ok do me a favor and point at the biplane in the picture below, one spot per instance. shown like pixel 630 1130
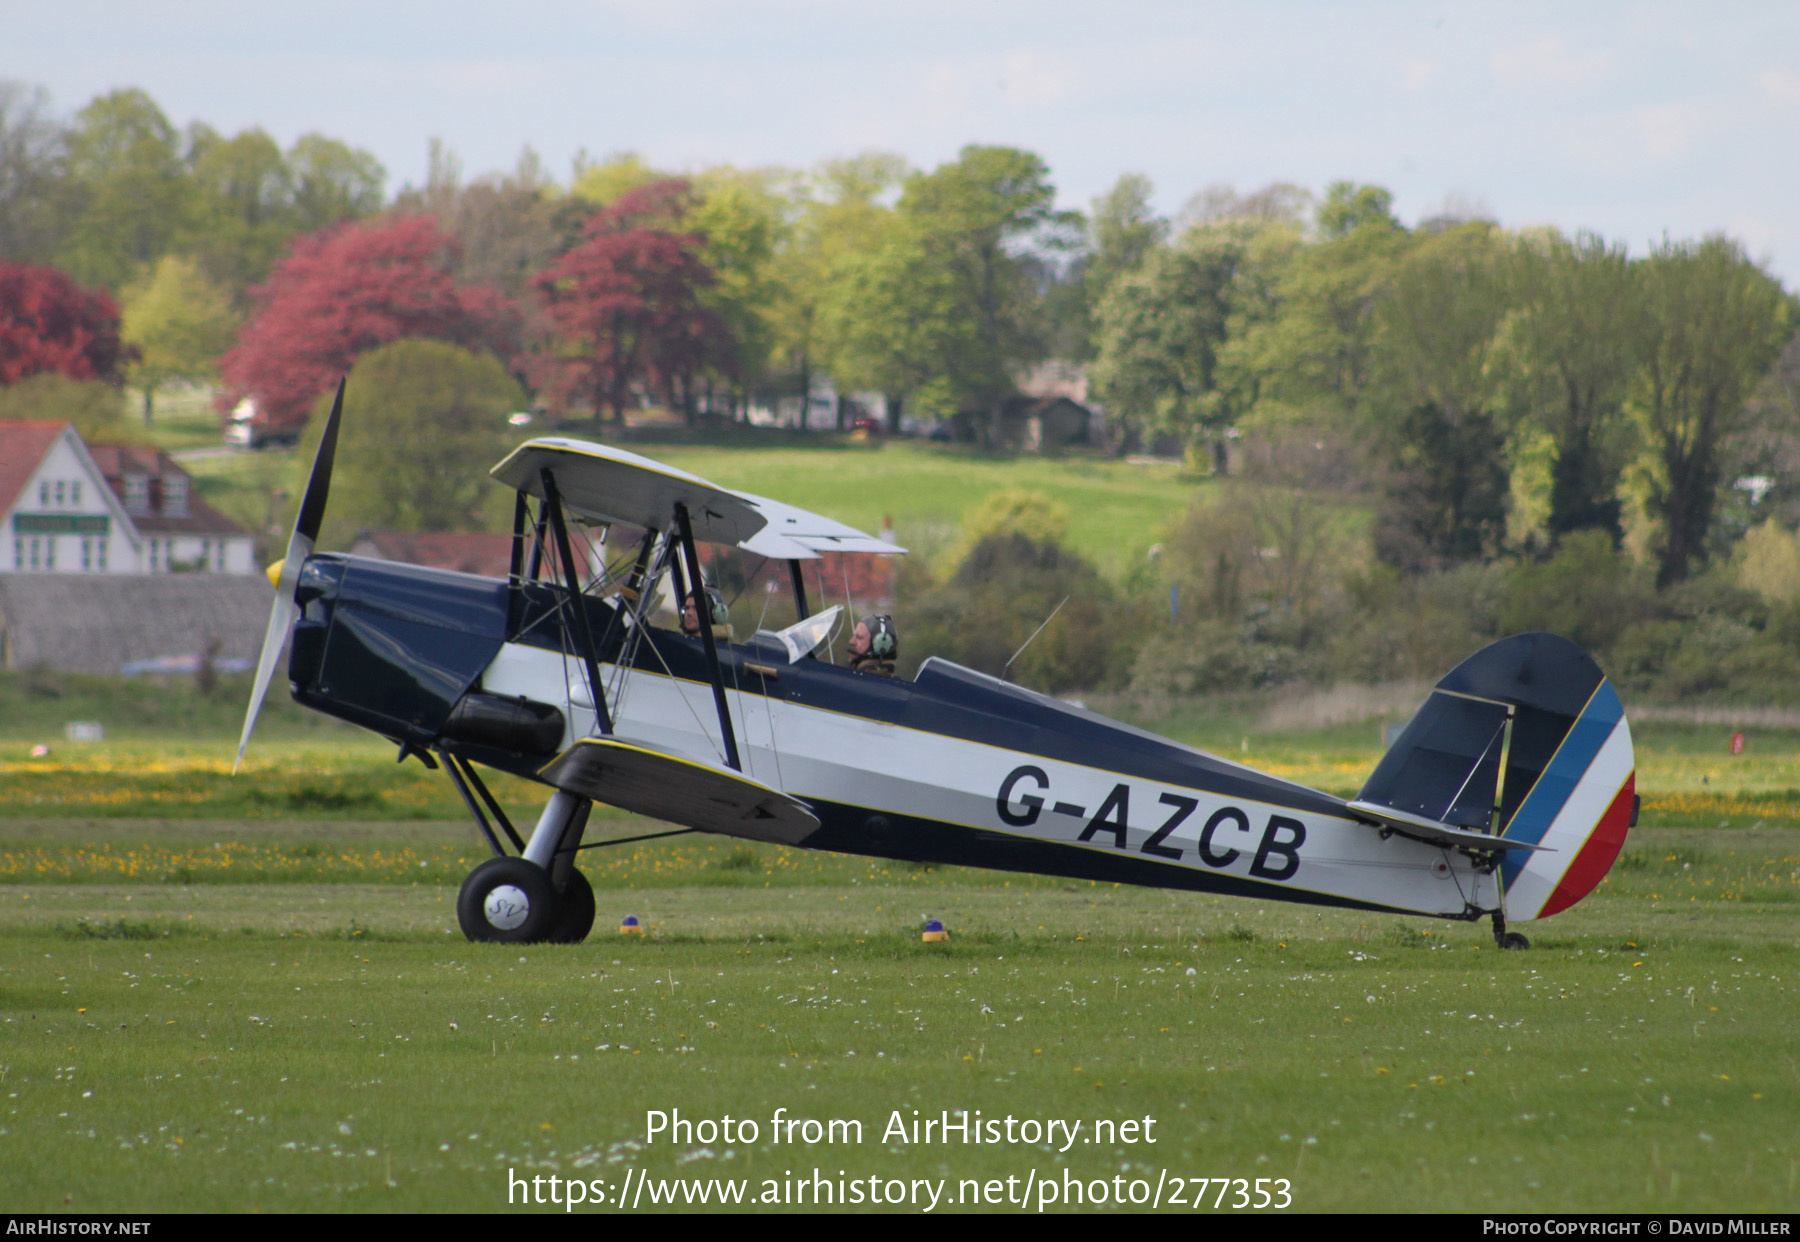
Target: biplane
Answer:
pixel 1508 795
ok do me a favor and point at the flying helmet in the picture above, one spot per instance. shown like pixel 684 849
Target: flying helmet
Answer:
pixel 884 639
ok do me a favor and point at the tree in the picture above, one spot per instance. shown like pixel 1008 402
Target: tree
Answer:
pixel 1312 358
pixel 944 309
pixel 506 228
pixel 96 408
pixel 1717 322
pixel 339 294
pixel 839 216
pixel 49 323
pixel 33 147
pixel 423 422
pixel 179 322
pixel 1162 330
pixel 1123 230
pixel 130 189
pixel 242 210
pixel 332 182
pixel 628 304
pixel 1567 353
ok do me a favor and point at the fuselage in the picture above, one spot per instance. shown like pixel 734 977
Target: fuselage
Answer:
pixel 952 766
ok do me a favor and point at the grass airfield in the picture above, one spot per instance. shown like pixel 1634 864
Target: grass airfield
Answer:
pixel 209 1003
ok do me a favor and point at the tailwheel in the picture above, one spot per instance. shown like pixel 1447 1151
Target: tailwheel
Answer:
pixel 1507 939
pixel 574 917
pixel 509 901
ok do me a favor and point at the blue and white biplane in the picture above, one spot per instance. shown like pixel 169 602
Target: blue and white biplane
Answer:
pixel 1507 796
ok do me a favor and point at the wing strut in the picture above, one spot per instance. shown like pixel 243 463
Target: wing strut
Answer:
pixel 799 589
pixel 553 502
pixel 703 613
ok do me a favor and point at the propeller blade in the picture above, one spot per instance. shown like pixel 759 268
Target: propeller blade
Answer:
pixel 300 546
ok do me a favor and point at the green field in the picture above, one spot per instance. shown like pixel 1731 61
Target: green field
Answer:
pixel 220 998
pixel 1117 509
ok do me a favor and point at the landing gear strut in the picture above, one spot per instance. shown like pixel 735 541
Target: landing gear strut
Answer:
pixel 1505 939
pixel 539 895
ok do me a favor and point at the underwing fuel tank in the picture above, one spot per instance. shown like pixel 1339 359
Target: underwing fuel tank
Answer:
pixel 392 647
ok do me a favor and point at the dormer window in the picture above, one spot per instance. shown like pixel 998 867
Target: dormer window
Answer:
pixel 175 494
pixel 137 492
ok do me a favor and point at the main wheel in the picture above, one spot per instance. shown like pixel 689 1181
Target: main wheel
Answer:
pixel 507 901
pixel 574 911
pixel 1514 940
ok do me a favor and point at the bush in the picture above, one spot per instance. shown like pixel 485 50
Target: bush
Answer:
pixel 1006 588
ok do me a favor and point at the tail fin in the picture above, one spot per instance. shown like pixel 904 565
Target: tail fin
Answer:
pixel 1526 738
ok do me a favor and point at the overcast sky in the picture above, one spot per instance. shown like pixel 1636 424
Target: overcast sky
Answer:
pixel 1634 120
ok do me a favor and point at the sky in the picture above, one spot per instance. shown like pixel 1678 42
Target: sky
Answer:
pixel 1638 121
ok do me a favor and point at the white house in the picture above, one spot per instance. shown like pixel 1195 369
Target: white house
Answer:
pixel 106 509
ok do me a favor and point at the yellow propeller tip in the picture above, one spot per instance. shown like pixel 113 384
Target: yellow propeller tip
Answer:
pixel 274 572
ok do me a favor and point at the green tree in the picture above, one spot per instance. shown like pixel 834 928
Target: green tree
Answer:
pixel 943 309
pixel 1163 330
pixel 1123 230
pixel 744 222
pixel 1312 356
pixel 423 422
pixel 1717 322
pixel 96 407
pixel 242 210
pixel 1446 495
pixel 839 219
pixel 332 182
pixel 179 322
pixel 130 188
pixel 599 185
pixel 1566 354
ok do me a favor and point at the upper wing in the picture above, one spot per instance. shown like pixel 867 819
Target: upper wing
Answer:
pixel 794 534
pixel 608 484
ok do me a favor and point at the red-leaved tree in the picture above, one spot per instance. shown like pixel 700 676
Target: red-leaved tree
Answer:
pixel 626 305
pixel 344 291
pixel 50 323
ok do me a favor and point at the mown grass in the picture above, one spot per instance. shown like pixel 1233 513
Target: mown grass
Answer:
pixel 322 1039
pixel 225 994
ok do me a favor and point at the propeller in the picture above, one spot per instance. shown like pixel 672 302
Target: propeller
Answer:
pixel 300 546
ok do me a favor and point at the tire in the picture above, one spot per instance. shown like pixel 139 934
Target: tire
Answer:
pixel 488 913
pixel 1514 940
pixel 574 911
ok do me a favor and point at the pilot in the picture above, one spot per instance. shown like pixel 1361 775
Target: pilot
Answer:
pixel 719 612
pixel 874 645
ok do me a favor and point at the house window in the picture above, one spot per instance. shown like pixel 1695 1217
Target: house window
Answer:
pixel 75 493
pixel 50 553
pixel 43 495
pixel 175 493
pixel 205 553
pixel 87 554
pixel 153 565
pixel 137 492
pixel 219 557
pixel 103 556
pixel 61 491
pixel 18 554
pixel 34 554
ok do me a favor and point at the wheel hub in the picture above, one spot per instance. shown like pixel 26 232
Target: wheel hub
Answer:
pixel 507 907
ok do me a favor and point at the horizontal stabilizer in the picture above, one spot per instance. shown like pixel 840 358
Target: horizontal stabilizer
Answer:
pixel 1437 833
pixel 648 780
